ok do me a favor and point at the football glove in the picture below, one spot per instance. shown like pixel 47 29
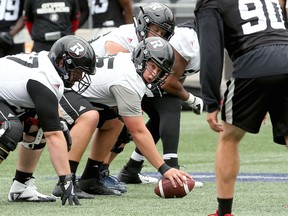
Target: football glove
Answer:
pixel 6 40
pixel 67 187
pixel 66 133
pixel 195 103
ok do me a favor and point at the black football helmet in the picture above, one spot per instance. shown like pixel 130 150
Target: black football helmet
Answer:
pixel 160 52
pixel 158 14
pixel 75 53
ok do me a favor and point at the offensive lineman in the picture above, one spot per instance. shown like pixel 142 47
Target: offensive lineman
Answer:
pixel 124 39
pixel 119 92
pixel 36 82
pixel 164 107
pixel 161 23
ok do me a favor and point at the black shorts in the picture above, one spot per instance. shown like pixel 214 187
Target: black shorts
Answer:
pixel 73 105
pixel 246 101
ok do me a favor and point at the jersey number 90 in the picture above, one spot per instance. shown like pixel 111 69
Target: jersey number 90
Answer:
pixel 257 19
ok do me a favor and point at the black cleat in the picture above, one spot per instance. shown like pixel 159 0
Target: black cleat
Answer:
pixel 57 192
pixel 133 176
pixel 112 182
pixel 95 186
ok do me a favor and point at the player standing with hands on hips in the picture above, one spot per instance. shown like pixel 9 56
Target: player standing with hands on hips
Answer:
pixel 255 37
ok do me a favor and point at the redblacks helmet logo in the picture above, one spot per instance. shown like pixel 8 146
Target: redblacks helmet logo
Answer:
pixel 76 49
pixel 155 45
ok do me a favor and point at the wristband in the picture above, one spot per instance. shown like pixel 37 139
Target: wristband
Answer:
pixel 164 168
pixel 191 99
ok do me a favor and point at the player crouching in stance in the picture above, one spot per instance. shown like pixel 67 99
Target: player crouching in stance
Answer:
pixel 117 89
pixel 36 82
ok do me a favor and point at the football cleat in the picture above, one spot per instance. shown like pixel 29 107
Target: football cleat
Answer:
pixel 27 193
pixel 130 176
pixel 112 182
pixel 57 192
pixel 95 186
pixel 198 184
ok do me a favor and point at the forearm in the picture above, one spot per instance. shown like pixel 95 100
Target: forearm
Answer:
pixel 176 89
pixel 146 145
pixel 58 152
pixel 127 10
pixel 18 27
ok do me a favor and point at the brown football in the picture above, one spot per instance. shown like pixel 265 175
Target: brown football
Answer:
pixel 165 189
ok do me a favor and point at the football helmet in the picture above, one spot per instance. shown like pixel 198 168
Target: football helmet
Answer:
pixel 76 53
pixel 160 52
pixel 158 14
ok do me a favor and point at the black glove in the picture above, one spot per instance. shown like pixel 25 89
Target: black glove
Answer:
pixel 6 40
pixel 67 186
pixel 66 133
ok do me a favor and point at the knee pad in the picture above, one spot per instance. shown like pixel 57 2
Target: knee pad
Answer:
pixel 36 144
pixel 124 137
pixel 10 134
pixel 117 149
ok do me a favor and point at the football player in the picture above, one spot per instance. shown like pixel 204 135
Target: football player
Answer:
pixel 158 20
pixel 255 37
pixel 11 24
pixel 32 84
pixel 117 90
pixel 163 104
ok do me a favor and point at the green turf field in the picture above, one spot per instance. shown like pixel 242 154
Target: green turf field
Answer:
pixel 196 155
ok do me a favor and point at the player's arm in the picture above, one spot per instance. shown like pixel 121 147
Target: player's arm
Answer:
pixel 210 34
pixel 114 48
pixel 20 22
pixel 129 106
pixel 145 143
pixel 127 10
pixel 46 106
pixel 172 84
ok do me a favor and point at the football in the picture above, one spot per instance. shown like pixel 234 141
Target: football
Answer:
pixel 165 189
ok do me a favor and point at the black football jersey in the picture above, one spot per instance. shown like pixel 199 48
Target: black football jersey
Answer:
pixel 250 30
pixel 106 13
pixel 50 16
pixel 248 24
pixel 10 11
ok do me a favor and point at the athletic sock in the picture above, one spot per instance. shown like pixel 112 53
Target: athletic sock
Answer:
pixel 134 164
pixel 92 169
pixel 22 176
pixel 224 206
pixel 172 162
pixel 104 167
pixel 73 166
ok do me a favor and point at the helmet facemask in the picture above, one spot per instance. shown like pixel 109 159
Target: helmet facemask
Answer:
pixel 162 57
pixel 72 54
pixel 83 83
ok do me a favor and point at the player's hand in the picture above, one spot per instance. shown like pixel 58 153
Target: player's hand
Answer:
pixel 177 175
pixel 66 133
pixel 195 103
pixel 67 187
pixel 212 119
pixel 6 40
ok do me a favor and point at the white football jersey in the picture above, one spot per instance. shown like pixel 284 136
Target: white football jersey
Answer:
pixel 185 41
pixel 125 35
pixel 17 70
pixel 114 70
